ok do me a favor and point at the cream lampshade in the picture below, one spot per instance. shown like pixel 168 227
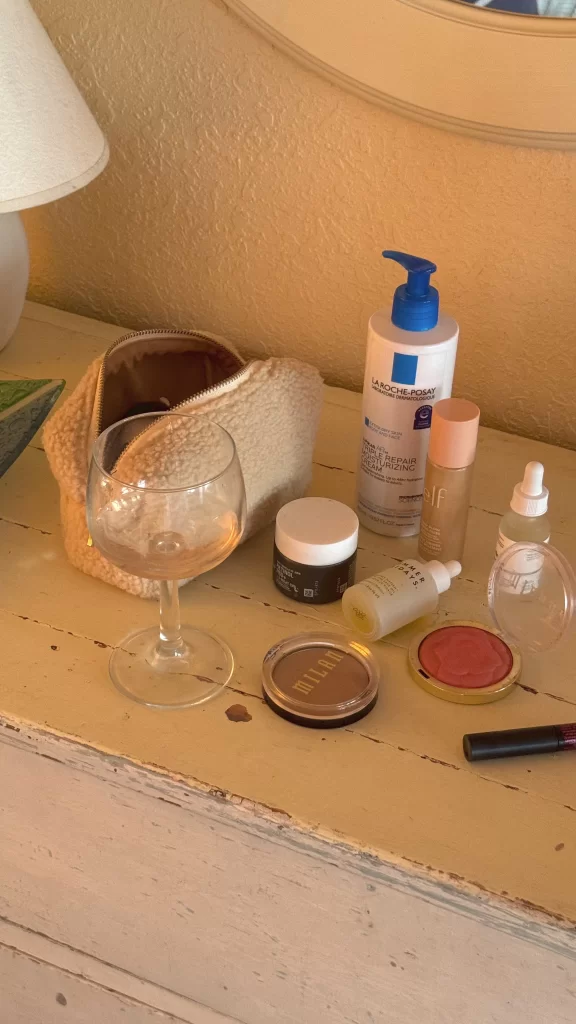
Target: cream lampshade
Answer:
pixel 50 145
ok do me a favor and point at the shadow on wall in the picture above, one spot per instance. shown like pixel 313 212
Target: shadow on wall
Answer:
pixel 248 196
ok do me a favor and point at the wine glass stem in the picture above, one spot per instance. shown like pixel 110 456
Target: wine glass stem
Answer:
pixel 171 643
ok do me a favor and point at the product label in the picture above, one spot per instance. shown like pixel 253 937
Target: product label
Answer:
pixel 397 408
pixel 444 512
pixel 405 574
pixel 523 569
pixel 568 735
pixel 313 584
pixel 430 538
pixel 391 599
pixel 423 417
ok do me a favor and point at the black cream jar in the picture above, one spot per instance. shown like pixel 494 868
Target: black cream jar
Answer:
pixel 315 550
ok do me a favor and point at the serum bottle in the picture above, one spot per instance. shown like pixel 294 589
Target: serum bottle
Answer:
pixel 391 599
pixel 448 479
pixel 526 519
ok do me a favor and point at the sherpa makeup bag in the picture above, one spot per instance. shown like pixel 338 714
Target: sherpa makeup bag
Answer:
pixel 271 408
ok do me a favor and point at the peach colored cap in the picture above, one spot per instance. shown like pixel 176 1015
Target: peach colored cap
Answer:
pixel 454 433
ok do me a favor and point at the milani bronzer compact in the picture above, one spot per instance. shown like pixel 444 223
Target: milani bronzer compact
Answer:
pixel 320 680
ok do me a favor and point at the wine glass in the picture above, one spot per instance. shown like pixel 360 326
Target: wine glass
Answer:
pixel 166 502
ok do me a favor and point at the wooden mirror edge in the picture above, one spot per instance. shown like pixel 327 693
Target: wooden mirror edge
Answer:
pixel 406 80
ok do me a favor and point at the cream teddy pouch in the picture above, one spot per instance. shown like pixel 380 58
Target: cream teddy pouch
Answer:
pixel 271 408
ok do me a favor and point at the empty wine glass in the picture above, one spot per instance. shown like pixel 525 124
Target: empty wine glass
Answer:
pixel 166 502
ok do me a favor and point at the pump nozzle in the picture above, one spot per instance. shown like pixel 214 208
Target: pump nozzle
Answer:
pixel 415 305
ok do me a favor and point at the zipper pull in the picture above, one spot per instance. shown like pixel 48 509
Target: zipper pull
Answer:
pixel 89 542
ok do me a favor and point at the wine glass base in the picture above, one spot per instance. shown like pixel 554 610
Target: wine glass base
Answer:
pixel 146 672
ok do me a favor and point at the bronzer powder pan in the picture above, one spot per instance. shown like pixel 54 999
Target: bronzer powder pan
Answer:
pixel 320 680
pixel 464 662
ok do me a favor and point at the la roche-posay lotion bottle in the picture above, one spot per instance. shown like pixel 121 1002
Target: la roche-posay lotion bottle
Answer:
pixel 409 367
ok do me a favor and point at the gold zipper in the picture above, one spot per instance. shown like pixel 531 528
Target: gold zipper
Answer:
pixel 147 334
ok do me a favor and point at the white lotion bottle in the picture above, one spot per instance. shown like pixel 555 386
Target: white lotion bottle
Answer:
pixel 392 599
pixel 409 367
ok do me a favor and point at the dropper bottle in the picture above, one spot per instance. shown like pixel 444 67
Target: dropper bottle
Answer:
pixel 391 599
pixel 526 519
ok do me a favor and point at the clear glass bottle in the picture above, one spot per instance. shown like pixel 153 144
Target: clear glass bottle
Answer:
pixel 515 527
pixel 448 480
pixel 526 520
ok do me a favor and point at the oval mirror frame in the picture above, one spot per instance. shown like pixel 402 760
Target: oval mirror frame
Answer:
pixel 501 77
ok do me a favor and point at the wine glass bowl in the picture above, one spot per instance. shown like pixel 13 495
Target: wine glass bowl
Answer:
pixel 166 502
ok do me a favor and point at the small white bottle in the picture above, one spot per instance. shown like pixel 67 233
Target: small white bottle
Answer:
pixel 526 519
pixel 391 599
pixel 409 367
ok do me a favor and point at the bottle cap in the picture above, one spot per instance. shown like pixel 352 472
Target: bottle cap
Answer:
pixel 454 433
pixel 316 531
pixel 415 306
pixel 443 572
pixel 530 498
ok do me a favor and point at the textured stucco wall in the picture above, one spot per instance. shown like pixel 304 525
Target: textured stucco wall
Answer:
pixel 247 195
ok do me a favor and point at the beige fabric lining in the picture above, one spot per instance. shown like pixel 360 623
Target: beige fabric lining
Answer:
pixel 154 368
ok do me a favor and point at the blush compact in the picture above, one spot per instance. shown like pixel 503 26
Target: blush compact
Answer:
pixel 532 598
pixel 464 662
pixel 320 680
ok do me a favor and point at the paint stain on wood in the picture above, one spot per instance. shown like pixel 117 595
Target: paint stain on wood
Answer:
pixel 559 846
pixel 238 713
pixel 61 998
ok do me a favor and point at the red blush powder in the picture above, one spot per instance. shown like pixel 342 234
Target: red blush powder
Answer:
pixel 465 656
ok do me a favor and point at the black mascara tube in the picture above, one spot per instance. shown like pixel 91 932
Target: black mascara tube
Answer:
pixel 546 739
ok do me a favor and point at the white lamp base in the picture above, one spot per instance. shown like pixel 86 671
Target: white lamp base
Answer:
pixel 14 271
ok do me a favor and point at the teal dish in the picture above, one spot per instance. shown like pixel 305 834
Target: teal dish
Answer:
pixel 24 405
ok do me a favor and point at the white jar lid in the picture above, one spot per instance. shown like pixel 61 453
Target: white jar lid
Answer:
pixel 316 531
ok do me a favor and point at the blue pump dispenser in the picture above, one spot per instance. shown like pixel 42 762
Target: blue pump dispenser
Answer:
pixel 415 306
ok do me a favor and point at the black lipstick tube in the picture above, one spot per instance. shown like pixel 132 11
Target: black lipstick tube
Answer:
pixel 545 739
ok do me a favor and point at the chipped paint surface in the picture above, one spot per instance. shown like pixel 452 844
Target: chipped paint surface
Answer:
pixel 297 915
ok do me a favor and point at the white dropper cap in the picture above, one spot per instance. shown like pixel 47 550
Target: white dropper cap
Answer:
pixel 443 572
pixel 530 498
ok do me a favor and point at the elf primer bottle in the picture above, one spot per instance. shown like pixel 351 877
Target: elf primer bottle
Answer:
pixel 409 367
